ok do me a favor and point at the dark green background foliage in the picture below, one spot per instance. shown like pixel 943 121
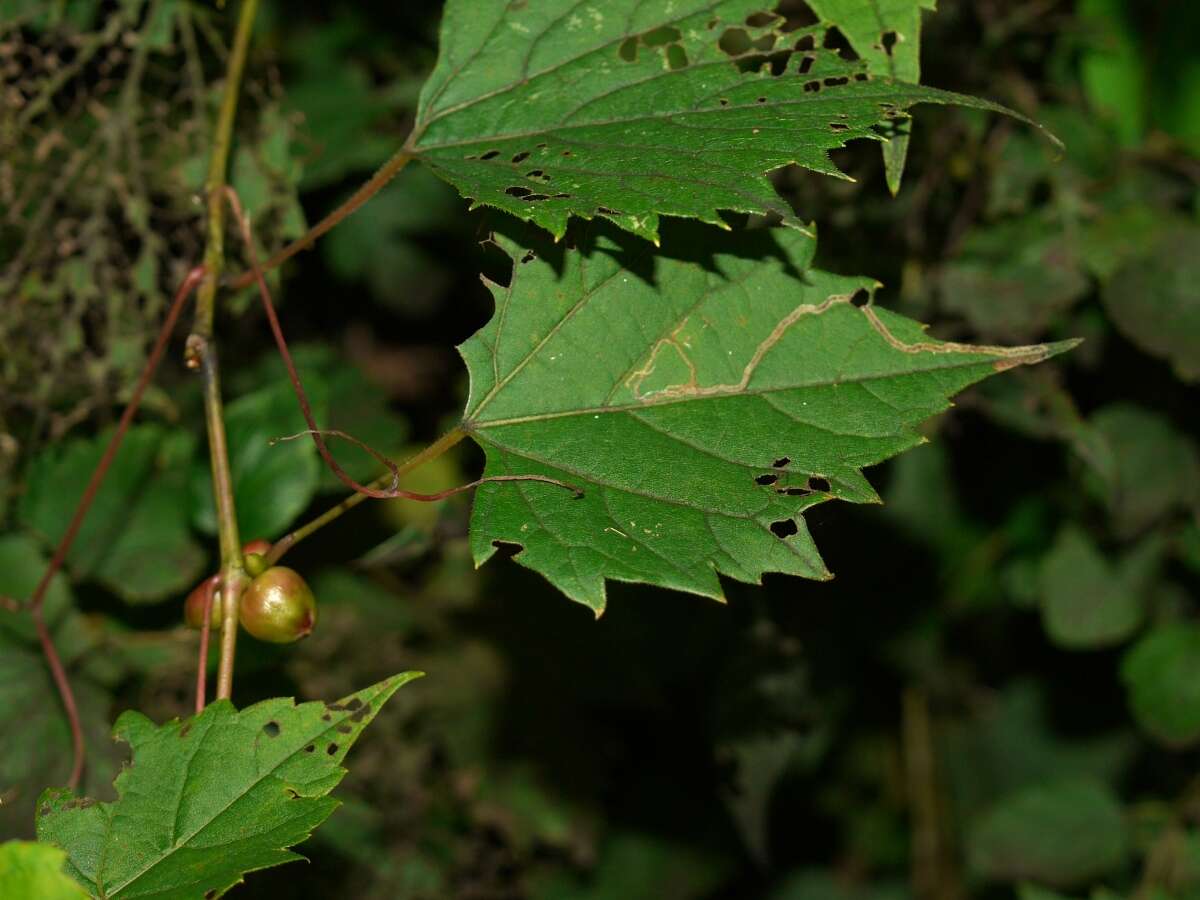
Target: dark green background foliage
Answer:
pixel 998 696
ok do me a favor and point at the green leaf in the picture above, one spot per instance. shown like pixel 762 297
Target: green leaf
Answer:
pixel 1013 279
pixel 1162 678
pixel 212 797
pixel 1154 468
pixel 1153 300
pixel 1088 602
pixel 632 110
pixel 136 538
pixel 30 871
pixel 702 403
pixel 1063 834
pixel 887 34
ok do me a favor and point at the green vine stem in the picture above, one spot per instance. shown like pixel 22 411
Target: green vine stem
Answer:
pixel 202 352
pixel 433 451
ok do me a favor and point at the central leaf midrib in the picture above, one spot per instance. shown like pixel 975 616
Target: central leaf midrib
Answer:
pixel 918 93
pixel 479 425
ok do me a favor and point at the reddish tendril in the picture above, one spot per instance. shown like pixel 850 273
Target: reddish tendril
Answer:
pixel 38 598
pixel 210 588
pixel 318 434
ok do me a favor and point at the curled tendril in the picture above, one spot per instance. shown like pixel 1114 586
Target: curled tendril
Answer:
pixel 394 491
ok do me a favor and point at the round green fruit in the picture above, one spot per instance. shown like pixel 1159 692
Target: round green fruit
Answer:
pixel 278 607
pixel 193 607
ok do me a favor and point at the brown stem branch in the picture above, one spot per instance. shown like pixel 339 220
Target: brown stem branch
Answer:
pixel 205 625
pixel 37 599
pixel 369 189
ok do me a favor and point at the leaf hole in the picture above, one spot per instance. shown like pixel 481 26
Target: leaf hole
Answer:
pixel 766 42
pixel 766 479
pixel 331 749
pixel 537 173
pixel 887 41
pixel 529 257
pixel 762 19
pixel 517 191
pixel 794 491
pixel 734 42
pixel 677 57
pixel 491 154
pixel 628 49
pixel 310 748
pixel 661 36
pixel 781 463
pixel 210 894
pixel 535 198
pixel 812 87
pixel 785 528
pixel 838 126
pixel 724 101
pixel 344 728
pixel 520 157
pixel 608 212
pixel 835 40
pixel 860 298
pixel 817 483
pixel 833 81
pixel 271 729
pixel 292 793
pixel 761 100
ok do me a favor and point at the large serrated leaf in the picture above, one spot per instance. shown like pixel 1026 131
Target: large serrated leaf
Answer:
pixel 631 109
pixel 210 798
pixel 701 402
